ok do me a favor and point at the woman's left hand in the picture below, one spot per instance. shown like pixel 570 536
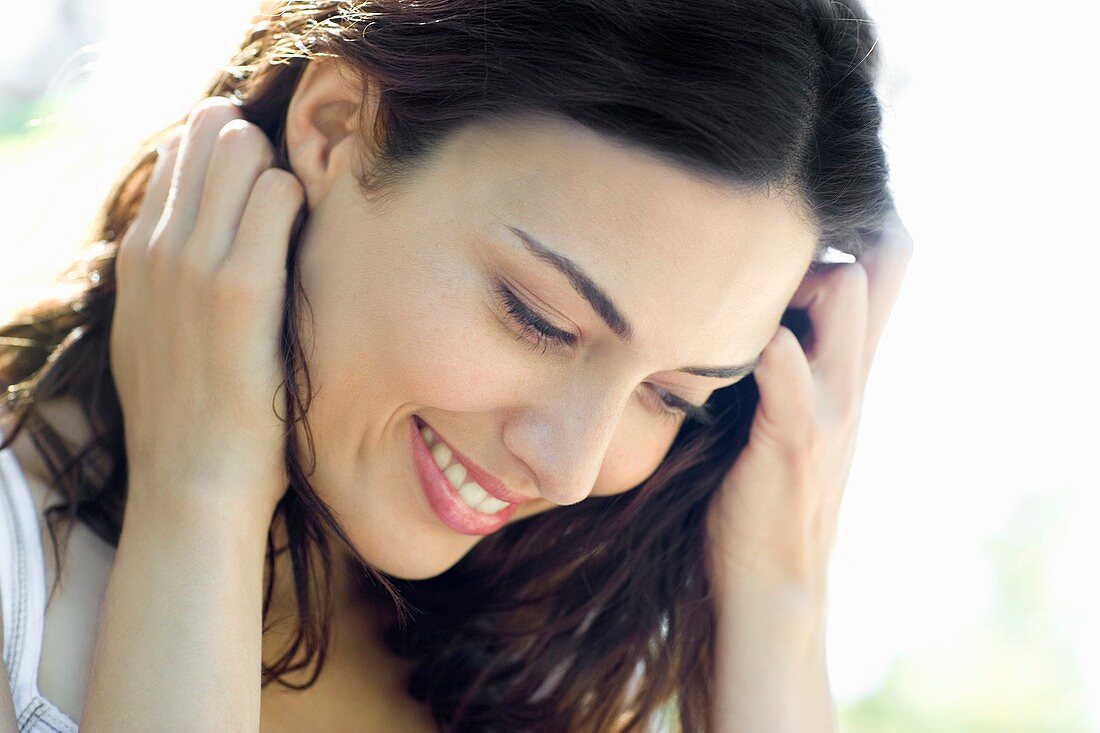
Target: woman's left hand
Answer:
pixel 775 516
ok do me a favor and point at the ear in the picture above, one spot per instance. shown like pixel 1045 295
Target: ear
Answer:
pixel 322 125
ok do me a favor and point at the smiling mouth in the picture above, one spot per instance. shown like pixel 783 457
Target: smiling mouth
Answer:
pixel 451 505
pixel 478 489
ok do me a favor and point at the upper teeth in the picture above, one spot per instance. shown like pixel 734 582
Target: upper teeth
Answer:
pixel 471 492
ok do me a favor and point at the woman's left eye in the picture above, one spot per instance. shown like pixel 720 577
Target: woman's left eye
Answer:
pixel 675 408
pixel 534 329
pixel 539 334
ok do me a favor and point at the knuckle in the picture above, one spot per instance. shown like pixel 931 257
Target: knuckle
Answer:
pixel 190 267
pixel 213 111
pixel 246 139
pixel 158 259
pixel 229 288
pixel 850 277
pixel 281 183
pixel 170 235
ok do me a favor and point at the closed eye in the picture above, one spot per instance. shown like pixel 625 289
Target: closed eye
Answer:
pixel 540 335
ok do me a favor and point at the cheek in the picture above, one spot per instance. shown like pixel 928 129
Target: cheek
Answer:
pixel 433 342
pixel 635 453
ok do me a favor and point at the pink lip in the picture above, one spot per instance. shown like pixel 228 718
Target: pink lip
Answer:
pixel 444 500
pixel 492 485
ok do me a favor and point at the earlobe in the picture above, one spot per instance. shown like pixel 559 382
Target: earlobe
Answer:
pixel 322 124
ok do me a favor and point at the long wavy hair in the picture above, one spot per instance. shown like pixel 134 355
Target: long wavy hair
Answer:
pixel 595 616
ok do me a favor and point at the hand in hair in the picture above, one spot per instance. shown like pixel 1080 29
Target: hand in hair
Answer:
pixel 774 518
pixel 194 342
pixel 195 354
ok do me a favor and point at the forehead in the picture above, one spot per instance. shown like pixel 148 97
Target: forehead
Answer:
pixel 672 249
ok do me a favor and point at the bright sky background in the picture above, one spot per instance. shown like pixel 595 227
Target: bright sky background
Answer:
pixel 980 417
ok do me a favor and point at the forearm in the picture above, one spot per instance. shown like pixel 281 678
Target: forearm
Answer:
pixel 179 641
pixel 770 668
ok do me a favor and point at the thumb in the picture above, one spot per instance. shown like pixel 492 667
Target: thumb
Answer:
pixel 785 381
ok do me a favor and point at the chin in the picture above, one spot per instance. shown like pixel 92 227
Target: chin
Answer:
pixel 389 520
pixel 409 568
pixel 405 549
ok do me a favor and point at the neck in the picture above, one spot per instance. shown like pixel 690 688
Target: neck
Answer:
pixel 360 678
pixel 358 617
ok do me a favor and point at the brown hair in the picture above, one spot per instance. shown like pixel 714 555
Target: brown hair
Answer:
pixel 593 616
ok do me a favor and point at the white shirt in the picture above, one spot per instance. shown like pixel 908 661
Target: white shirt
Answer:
pixel 23 598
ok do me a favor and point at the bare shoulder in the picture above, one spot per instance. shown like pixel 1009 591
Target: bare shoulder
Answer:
pixel 66 417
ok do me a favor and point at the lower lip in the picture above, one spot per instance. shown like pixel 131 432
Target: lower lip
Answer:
pixel 444 499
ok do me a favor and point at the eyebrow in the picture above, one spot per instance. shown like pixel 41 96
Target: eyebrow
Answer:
pixel 607 311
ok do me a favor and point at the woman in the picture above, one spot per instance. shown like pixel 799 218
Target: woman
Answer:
pixel 436 360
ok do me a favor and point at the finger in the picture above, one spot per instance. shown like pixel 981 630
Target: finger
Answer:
pixel 836 301
pixel 185 194
pixel 241 153
pixel 136 237
pixel 785 381
pixel 885 262
pixel 260 248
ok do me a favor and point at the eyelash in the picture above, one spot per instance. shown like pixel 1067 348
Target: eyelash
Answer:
pixel 540 335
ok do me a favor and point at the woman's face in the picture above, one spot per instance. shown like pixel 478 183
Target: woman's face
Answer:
pixel 414 305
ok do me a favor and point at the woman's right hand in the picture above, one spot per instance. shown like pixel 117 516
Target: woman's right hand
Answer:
pixel 195 354
pixel 194 343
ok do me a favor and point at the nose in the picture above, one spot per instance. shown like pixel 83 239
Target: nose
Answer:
pixel 564 438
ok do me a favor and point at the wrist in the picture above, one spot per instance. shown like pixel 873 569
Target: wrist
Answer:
pixel 770 665
pixel 181 509
pixel 217 483
pixel 760 577
pixel 767 601
pixel 183 610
